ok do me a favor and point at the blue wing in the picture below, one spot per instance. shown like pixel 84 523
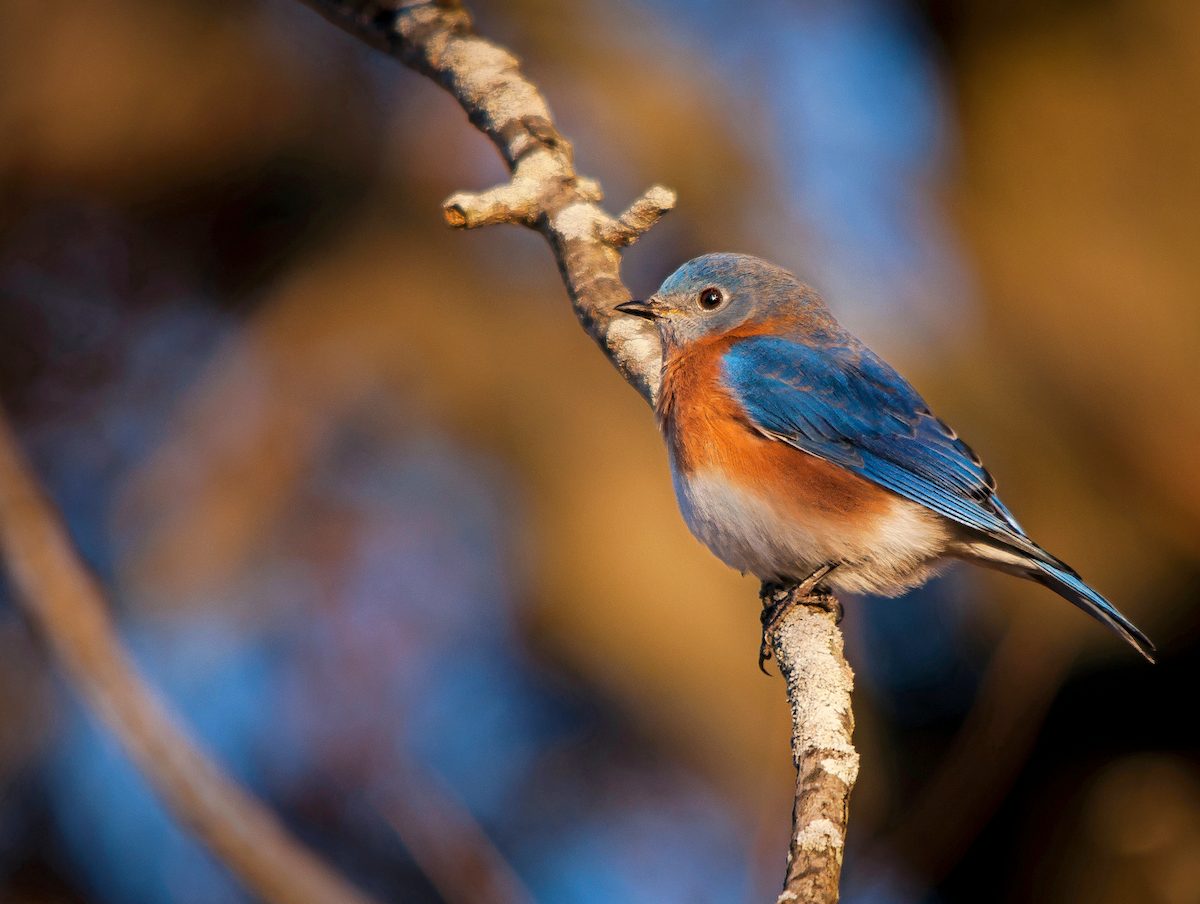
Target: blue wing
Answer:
pixel 847 406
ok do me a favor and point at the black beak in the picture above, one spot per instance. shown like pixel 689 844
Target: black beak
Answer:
pixel 639 309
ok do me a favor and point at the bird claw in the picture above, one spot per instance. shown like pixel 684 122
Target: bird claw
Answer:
pixel 779 599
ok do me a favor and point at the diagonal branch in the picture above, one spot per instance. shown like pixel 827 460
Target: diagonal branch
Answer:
pixel 546 193
pixel 65 604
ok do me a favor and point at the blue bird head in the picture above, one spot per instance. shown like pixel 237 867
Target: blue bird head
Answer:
pixel 716 294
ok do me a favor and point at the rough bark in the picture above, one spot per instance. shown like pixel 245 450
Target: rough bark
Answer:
pixel 547 194
pixel 808 648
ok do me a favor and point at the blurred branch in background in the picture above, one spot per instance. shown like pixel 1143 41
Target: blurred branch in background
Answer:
pixel 440 833
pixel 66 605
pixel 977 772
pixel 546 193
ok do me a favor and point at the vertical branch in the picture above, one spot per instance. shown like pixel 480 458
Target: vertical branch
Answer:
pixel 67 607
pixel 808 648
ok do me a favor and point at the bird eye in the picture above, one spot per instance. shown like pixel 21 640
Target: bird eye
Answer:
pixel 710 299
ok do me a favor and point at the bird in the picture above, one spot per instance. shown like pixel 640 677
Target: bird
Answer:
pixel 800 456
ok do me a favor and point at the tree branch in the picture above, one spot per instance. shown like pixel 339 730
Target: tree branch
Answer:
pixel 546 193
pixel 65 604
pixel 808 648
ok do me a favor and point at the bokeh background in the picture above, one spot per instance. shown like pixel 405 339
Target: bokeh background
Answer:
pixel 402 549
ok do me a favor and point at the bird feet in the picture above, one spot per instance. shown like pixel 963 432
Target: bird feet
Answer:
pixel 779 599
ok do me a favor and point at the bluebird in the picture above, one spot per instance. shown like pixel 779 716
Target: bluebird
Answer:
pixel 800 456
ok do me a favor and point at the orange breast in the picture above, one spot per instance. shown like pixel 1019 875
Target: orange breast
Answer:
pixel 706 429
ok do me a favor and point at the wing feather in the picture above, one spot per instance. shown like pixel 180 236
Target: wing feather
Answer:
pixel 847 406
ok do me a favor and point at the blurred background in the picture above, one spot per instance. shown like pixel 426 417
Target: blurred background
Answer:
pixel 401 548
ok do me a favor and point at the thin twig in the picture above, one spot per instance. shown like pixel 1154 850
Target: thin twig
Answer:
pixel 546 193
pixel 65 603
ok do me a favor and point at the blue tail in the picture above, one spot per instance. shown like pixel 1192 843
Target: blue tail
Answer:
pixel 1067 584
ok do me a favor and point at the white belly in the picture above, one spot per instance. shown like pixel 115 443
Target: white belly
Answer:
pixel 779 542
